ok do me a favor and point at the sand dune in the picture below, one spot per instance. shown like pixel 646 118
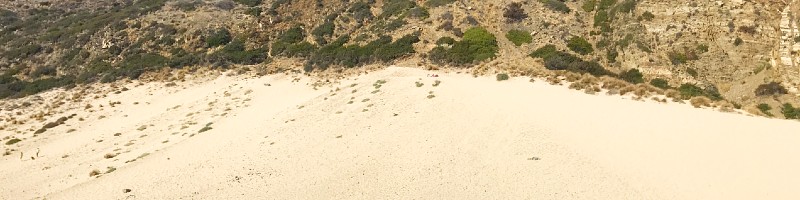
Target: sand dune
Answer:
pixel 466 138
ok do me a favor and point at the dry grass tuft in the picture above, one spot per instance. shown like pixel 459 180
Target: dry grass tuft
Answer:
pixel 553 80
pixel 725 106
pixel 754 111
pixel 700 101
pixel 674 94
pixel 610 83
pixel 94 173
pixel 572 76
pixel 627 89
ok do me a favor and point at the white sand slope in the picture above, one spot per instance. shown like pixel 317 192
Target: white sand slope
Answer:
pixel 476 139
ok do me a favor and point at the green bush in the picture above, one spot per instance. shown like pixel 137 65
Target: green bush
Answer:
pixel 601 18
pixel 606 4
pixel 445 40
pixel 514 13
pixel 765 108
pixel 324 29
pixel 648 16
pixel 302 49
pixel 13 141
pixel 361 11
pixel 627 40
pixel 24 51
pixel 180 58
pixel 545 51
pixel 236 52
pixel 632 76
pixel 660 83
pixel 689 90
pixel 557 60
pixel 401 47
pixel 678 58
pixel 738 41
pixel 250 3
pixel 293 35
pixel 382 49
pixel 556 5
pixel 478 45
pixel 187 6
pixel 702 48
pixel 692 72
pixel 502 77
pixel 589 5
pixel 291 44
pixel 7 17
pixel 772 88
pixel 218 38
pixel 43 71
pixel 41 85
pixel 482 43
pixel 134 65
pixel 395 24
pixel 580 45
pixel 395 7
pixel 611 55
pixel 626 6
pixel 519 37
pixel 255 11
pixel 790 112
pixel 419 13
pixel 437 3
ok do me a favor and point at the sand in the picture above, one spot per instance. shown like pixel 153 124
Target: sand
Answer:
pixel 467 138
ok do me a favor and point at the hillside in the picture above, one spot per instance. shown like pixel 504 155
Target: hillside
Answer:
pixel 728 49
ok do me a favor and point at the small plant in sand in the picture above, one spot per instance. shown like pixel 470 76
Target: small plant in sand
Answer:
pixel 110 155
pixel 502 77
pixel 419 84
pixel 436 83
pixel 13 141
pixel 790 112
pixel 111 169
pixel 725 106
pixel 204 129
pixel 94 173
pixel 765 108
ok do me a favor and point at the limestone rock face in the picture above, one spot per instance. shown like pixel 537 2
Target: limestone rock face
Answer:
pixel 789 62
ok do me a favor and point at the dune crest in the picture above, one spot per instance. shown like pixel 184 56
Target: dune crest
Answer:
pixel 396 133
